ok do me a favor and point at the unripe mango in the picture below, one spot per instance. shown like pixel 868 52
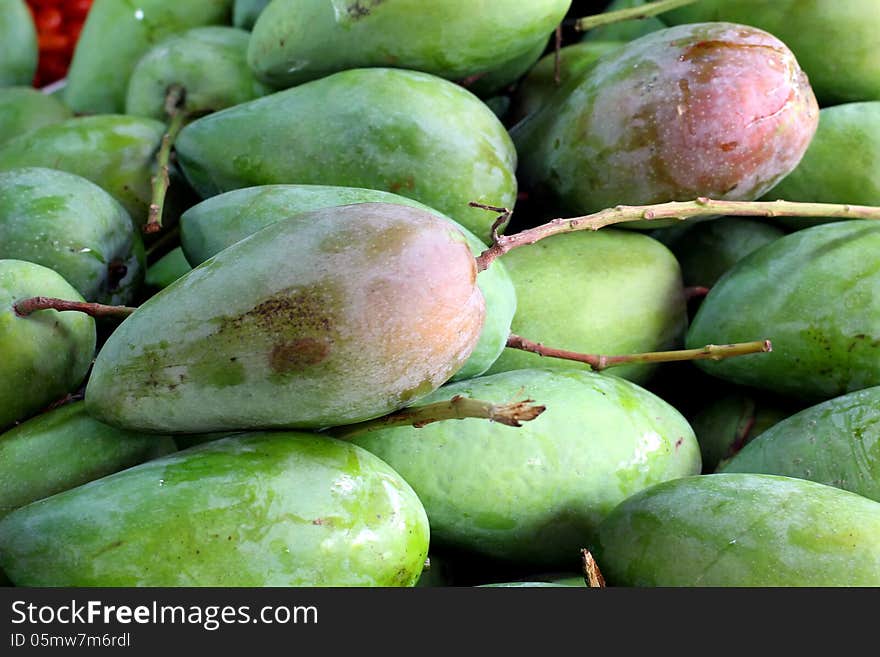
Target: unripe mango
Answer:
pixel 535 494
pixel 23 109
pixel 405 132
pixel 218 222
pixel 712 109
pixel 282 509
pixel 741 530
pixel 319 321
pixel 246 12
pixel 42 356
pixel 18 44
pixel 625 30
pixel 295 41
pixel 167 269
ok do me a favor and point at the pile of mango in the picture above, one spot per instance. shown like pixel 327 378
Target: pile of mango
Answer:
pixel 264 295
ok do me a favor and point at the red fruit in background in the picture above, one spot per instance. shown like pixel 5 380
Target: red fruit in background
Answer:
pixel 58 24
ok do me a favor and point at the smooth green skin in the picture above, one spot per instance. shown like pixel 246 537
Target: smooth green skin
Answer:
pixel 707 249
pixel 813 294
pixel 741 530
pixel 334 317
pixel 653 122
pixel 246 12
pixel 842 164
pixel 625 30
pixel 539 86
pixel 835 42
pixel 732 421
pixel 295 41
pixel 609 292
pixel 836 443
pixel 400 131
pixel 18 44
pixel 535 494
pixel 281 509
pixel 499 79
pixel 208 62
pixel 114 39
pixel 168 269
pixel 116 152
pixel 220 221
pixel 64 448
pixel 69 224
pixel 42 356
pixel 23 109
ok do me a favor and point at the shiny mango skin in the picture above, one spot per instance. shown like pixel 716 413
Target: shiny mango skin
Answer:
pixel 42 356
pixel 18 44
pixel 842 164
pixel 64 448
pixel 246 12
pixel 295 41
pixel 23 109
pixel 279 509
pixel 116 152
pixel 813 294
pixel 713 109
pixel 218 222
pixel 534 494
pixel 609 292
pixel 208 62
pixel 836 443
pixel 69 224
pixel 327 319
pixel 406 132
pixel 741 530
pixel 116 35
pixel 836 42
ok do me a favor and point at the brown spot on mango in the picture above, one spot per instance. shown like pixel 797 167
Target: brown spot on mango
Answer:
pixel 297 354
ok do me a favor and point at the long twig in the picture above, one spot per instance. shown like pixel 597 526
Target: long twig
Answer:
pixel 175 109
pixel 25 307
pixel 511 414
pixel 679 210
pixel 633 13
pixel 599 362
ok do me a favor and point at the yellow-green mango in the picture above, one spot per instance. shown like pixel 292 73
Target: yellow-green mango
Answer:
pixel 295 41
pixel 327 319
pixel 279 509
pixel 405 132
pixel 737 530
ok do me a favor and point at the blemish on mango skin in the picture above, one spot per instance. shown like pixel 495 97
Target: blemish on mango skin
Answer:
pixel 292 356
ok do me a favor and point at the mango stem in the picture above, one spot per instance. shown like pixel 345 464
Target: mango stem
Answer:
pixel 27 306
pixel 679 210
pixel 599 362
pixel 174 108
pixel 511 414
pixel 632 13
pixel 592 575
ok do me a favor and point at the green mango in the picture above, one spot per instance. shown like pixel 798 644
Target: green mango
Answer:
pixel 220 221
pixel 713 109
pixel 708 249
pixel 208 62
pixel 625 30
pixel 116 152
pixel 842 164
pixel 534 494
pixel 836 443
pixel 18 44
pixel 114 38
pixel 812 293
pixel 501 77
pixel 42 356
pixel 728 423
pixel 400 131
pixel 63 448
pixel 168 269
pixel 246 12
pixel 835 42
pixel 741 530
pixel 609 292
pixel 69 224
pixel 539 86
pixel 24 108
pixel 333 317
pixel 279 509
pixel 295 41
